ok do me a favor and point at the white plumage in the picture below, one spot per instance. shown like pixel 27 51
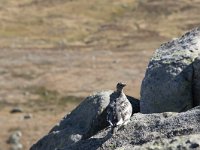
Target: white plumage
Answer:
pixel 119 109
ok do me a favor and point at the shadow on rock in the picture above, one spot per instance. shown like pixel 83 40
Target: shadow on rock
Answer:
pixel 95 143
pixel 83 122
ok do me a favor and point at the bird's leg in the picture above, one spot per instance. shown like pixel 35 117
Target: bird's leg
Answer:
pixel 111 131
pixel 126 122
pixel 122 127
pixel 114 129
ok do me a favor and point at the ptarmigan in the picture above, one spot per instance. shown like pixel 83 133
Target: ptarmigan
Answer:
pixel 119 109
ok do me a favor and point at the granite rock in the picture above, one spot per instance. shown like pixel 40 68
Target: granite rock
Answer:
pixel 167 129
pixel 83 122
pixel 172 79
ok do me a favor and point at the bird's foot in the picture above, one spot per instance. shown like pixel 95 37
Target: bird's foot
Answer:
pixel 122 127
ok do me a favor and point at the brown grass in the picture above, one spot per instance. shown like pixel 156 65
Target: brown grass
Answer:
pixel 56 52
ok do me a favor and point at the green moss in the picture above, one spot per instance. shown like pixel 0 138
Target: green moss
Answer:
pixel 2 105
pixel 47 96
pixel 27 76
pixel 43 93
pixel 69 99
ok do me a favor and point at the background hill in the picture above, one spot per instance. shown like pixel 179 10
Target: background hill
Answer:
pixel 54 53
pixel 58 24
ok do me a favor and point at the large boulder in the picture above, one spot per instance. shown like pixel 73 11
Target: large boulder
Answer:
pixel 177 129
pixel 83 122
pixel 172 79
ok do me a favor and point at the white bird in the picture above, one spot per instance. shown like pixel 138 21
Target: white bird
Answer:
pixel 119 109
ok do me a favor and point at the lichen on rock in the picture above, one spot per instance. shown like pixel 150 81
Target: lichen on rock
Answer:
pixel 171 79
pixel 158 130
pixel 170 88
pixel 83 122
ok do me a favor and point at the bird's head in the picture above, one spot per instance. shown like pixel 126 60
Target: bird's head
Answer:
pixel 120 86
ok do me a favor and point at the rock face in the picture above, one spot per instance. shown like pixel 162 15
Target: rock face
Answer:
pixel 83 122
pixel 176 130
pixel 196 82
pixel 171 85
pixel 180 142
pixel 172 80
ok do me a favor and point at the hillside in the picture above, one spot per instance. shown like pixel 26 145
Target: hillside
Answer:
pixel 54 53
pixel 61 23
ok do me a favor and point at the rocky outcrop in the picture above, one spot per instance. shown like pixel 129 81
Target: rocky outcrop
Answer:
pixel 171 85
pixel 83 122
pixel 172 80
pixel 161 129
pixel 180 142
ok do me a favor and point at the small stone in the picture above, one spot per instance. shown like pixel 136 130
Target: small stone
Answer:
pixel 76 137
pixel 16 110
pixel 15 137
pixel 115 61
pixel 28 116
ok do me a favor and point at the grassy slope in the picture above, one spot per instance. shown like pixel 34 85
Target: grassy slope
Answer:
pixel 53 23
pixel 57 24
pixel 37 80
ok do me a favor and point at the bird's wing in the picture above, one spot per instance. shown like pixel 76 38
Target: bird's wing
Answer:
pixel 113 114
pixel 125 108
pixel 119 112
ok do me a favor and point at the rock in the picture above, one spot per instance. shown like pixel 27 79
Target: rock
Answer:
pixel 172 79
pixel 161 130
pixel 15 137
pixel 16 147
pixel 83 122
pixel 196 82
pixel 28 116
pixel 14 141
pixel 16 110
pixel 180 142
